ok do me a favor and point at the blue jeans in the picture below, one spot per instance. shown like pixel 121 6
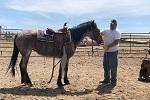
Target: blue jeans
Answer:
pixel 110 63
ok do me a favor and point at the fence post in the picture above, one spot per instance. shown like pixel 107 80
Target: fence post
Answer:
pixel 149 45
pixel 1 53
pixel 92 48
pixel 130 43
pixel 0 31
pixel 9 35
pixel 6 35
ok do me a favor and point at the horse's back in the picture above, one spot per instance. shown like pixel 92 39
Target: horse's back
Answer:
pixel 30 31
pixel 25 39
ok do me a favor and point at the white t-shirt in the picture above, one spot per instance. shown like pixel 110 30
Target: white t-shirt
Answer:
pixel 109 36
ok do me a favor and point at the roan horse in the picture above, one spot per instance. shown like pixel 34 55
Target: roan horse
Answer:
pixel 27 41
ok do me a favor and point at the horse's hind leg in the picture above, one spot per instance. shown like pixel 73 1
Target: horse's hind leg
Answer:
pixel 24 74
pixel 66 81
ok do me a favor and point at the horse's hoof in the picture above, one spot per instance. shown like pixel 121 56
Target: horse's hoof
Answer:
pixel 67 83
pixel 60 84
pixel 140 79
pixel 28 84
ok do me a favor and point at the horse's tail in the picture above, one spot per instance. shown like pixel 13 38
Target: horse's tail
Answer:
pixel 13 58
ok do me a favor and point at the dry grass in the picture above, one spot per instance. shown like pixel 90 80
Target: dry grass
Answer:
pixel 85 72
pixel 84 75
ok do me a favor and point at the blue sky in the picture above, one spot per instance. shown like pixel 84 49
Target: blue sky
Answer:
pixel 132 15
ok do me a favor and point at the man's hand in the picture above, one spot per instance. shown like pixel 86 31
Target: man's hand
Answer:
pixel 105 48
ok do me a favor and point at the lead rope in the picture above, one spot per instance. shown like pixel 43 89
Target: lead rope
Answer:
pixel 57 62
pixel 53 69
pixel 53 65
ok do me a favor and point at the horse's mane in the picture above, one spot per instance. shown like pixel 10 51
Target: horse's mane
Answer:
pixel 80 30
pixel 85 23
pixel 81 25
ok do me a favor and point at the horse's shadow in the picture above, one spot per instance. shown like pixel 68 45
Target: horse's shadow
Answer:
pixel 105 88
pixel 52 92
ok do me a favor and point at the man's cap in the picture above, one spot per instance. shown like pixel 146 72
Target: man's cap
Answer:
pixel 113 21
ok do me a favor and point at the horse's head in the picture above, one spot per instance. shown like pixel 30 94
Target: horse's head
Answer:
pixel 86 29
pixel 94 32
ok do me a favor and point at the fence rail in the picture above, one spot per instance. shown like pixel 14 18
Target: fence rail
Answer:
pixel 131 43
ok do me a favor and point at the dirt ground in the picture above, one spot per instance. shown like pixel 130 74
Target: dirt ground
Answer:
pixel 84 75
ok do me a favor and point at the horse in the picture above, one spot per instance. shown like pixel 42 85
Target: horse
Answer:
pixel 60 48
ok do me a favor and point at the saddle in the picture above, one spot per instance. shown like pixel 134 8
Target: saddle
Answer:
pixel 63 30
pixel 42 36
pixel 49 34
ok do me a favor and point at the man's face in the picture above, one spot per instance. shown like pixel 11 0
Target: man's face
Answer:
pixel 113 26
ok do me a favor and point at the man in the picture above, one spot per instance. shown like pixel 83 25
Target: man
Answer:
pixel 111 39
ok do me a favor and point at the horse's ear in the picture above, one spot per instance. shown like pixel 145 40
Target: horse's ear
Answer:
pixel 93 21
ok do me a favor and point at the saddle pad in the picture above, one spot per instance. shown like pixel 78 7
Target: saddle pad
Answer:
pixel 40 34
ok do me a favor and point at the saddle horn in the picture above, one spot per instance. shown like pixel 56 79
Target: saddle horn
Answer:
pixel 65 24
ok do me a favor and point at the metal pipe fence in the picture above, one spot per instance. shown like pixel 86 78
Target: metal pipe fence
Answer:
pixel 131 43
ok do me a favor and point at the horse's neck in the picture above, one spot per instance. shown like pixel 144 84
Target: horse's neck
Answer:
pixel 77 36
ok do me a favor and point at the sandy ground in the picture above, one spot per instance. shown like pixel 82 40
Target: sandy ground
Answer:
pixel 84 75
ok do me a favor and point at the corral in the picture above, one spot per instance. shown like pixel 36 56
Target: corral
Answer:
pixel 85 72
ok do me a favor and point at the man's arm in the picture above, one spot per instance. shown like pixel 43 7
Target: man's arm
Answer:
pixel 115 42
pixel 102 33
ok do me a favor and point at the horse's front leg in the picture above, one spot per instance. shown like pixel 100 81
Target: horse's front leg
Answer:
pixel 66 81
pixel 62 67
pixel 59 82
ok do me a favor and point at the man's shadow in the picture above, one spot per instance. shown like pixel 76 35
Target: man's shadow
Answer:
pixel 105 88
